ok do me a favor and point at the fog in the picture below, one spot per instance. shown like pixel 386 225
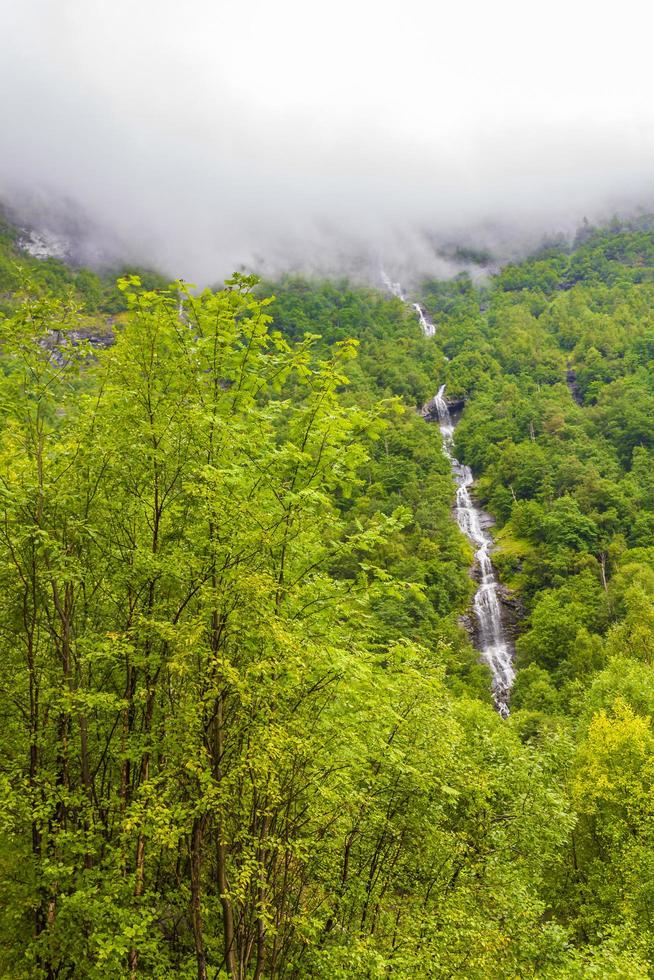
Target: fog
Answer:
pixel 210 135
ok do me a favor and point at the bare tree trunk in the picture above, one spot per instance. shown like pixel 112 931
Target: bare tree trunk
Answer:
pixel 196 897
pixel 261 898
pixel 221 848
pixel 228 915
pixel 139 883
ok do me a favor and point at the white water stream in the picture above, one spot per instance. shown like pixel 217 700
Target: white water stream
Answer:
pixel 492 642
pixel 395 288
pixel 493 646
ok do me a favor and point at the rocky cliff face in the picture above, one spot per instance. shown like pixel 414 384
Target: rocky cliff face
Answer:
pixel 454 405
pixel 98 337
pixel 513 613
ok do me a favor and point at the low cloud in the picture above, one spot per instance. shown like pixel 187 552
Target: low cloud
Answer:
pixel 330 136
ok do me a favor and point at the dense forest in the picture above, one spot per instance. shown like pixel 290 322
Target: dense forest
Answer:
pixel 244 730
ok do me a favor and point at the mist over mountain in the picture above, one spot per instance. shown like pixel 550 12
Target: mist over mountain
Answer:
pixel 272 139
pixel 327 594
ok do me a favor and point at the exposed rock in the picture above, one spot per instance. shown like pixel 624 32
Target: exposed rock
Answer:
pixel 95 338
pixel 573 387
pixel 58 341
pixel 468 622
pixel 513 612
pixel 45 245
pixel 455 406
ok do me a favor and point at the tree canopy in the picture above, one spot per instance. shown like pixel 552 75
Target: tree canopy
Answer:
pixel 244 731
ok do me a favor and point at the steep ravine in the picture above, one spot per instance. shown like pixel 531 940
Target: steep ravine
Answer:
pixel 492 641
pixel 490 636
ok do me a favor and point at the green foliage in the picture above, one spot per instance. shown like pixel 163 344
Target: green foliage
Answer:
pixel 242 731
pixel 559 431
pixel 394 359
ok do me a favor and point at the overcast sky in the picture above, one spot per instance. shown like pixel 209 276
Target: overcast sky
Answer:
pixel 205 134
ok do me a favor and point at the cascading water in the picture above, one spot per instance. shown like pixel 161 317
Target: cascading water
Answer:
pixel 428 328
pixel 492 643
pixel 395 288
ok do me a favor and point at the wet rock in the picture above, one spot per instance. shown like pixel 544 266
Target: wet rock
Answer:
pixel 468 622
pixel 512 611
pixel 573 387
pixel 429 411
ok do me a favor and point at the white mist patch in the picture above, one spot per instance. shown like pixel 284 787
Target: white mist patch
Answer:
pixel 304 136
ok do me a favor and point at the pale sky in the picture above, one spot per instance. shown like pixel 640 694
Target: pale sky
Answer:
pixel 208 134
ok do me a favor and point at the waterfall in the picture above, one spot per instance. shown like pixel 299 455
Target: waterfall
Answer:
pixel 393 287
pixel 492 642
pixel 493 645
pixel 428 328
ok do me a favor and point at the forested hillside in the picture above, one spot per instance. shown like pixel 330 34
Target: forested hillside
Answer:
pixel 244 732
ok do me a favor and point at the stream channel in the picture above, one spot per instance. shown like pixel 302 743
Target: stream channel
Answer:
pixel 491 639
